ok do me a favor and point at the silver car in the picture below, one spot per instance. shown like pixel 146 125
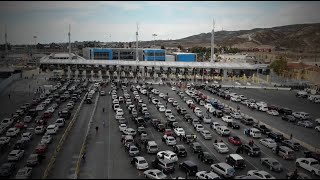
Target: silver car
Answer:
pixel 272 163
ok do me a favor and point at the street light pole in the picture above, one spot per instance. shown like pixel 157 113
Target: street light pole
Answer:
pixel 154 46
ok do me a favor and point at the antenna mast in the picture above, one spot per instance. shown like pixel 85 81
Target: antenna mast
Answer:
pixel 137 55
pixel 212 42
pixel 6 39
pixel 69 34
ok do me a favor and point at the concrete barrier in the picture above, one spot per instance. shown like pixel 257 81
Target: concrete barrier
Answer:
pixel 5 83
pixel 85 141
pixel 65 134
pixel 256 87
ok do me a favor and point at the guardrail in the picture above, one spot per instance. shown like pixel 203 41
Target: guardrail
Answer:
pixel 63 138
pixel 85 141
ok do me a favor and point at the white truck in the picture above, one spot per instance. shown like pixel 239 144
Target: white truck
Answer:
pixel 309 164
pixel 253 132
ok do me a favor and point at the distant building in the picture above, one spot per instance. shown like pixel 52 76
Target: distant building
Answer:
pixel 184 57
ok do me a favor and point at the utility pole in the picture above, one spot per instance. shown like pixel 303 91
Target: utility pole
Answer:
pixel 212 42
pixel 137 55
pixel 35 47
pixel 69 34
pixel 154 46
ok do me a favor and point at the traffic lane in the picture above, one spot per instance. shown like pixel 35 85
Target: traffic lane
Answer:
pixel 38 171
pixel 33 143
pixel 104 155
pixel 287 164
pixel 157 136
pixel 282 98
pixel 208 144
pixel 254 162
pixel 67 158
pixel 307 135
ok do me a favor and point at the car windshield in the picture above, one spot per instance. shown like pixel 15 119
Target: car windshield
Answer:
pixel 275 163
pixel 230 171
pixel 142 161
pixel 256 149
pixel 267 176
pixel 21 173
pixel 222 146
pixel 160 174
pixel 314 163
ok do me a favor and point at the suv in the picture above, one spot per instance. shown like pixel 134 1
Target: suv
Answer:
pixel 247 121
pixel 253 150
pixel 276 136
pixel 180 150
pixel 196 147
pixel 236 161
pixel 291 144
pixel 262 128
pixel 189 167
pixel 206 157
pixel 165 166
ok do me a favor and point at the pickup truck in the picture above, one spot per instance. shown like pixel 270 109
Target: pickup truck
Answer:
pixel 309 164
pixel 262 128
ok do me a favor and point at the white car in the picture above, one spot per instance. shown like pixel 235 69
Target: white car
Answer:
pixel 167 155
pixel 214 125
pixel 170 100
pixel 122 127
pixel 268 142
pixel 179 131
pixel 60 122
pixel 171 118
pixel 52 129
pixel 154 174
pixel 4 140
pixel 26 136
pixel 129 131
pixel 317 120
pixel 155 101
pixel 211 109
pixel 168 112
pixel 221 147
pixel 46 139
pixel 40 107
pixel 173 88
pixel 39 129
pixel 119 112
pixel 162 108
pixel 206 134
pixel 309 164
pixel 15 155
pixel 236 115
pixel 273 112
pixel 12 132
pixel 207 175
pixel 140 162
pixel 227 119
pixel 253 106
pixel 260 174
pixel 170 140
pixel 197 109
pixel 263 108
pixel 235 98
pixel 208 106
pixel 199 113
pixel 261 103
pixel 6 122
pixel 317 128
pixel 161 95
pixel 189 101
pixel 198 127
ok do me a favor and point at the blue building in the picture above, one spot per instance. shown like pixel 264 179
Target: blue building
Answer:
pixel 185 57
pixel 154 55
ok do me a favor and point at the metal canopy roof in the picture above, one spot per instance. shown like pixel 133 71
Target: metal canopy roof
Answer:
pixel 217 65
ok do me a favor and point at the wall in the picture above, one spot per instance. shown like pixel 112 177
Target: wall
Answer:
pixel 5 83
pixel 154 54
pixel 95 50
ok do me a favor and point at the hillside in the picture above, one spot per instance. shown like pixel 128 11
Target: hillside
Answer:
pixel 299 37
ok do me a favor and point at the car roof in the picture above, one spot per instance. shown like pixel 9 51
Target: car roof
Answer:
pixel 235 156
pixel 189 163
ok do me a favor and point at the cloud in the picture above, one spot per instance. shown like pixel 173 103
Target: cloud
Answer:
pixel 124 5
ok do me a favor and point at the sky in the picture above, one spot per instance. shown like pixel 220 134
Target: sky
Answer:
pixel 116 21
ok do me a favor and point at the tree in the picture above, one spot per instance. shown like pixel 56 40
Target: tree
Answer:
pixel 279 65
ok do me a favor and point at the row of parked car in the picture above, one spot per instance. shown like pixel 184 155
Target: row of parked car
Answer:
pixel 29 120
pixel 299 118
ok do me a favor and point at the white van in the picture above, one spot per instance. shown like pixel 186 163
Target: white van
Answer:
pixel 223 131
pixel 255 133
pixel 223 169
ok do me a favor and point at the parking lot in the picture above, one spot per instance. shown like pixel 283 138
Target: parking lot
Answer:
pixel 107 158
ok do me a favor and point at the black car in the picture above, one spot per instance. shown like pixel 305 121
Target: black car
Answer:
pixel 160 127
pixel 247 121
pixel 217 113
pixel 233 125
pixel 20 145
pixel 285 111
pixel 155 122
pixel 187 117
pixel 188 138
pixel 147 117
pixel 7 169
pixel 206 157
pixel 196 147
pixel 32 112
pixel 180 150
pixel 251 150
pixel 140 121
pixel 289 118
pixel 262 128
pixel 66 114
pixel 277 137
pixel 189 167
pixel 309 154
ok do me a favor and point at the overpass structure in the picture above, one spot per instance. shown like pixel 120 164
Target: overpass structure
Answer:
pixel 150 68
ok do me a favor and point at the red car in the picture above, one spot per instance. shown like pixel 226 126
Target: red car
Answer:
pixel 41 148
pixel 235 140
pixel 168 132
pixel 20 125
pixel 47 114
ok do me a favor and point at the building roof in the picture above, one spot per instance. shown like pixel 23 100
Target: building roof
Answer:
pixel 181 53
